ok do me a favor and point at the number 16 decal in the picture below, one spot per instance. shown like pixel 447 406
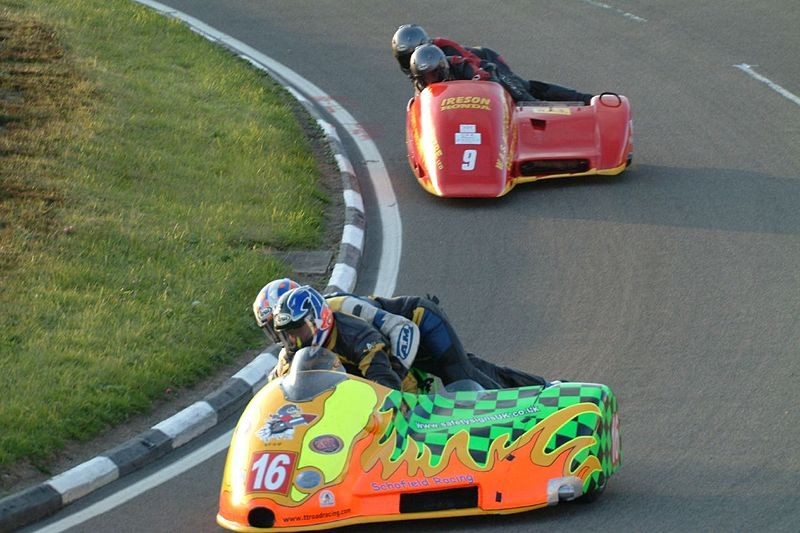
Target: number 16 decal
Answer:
pixel 271 472
pixel 468 160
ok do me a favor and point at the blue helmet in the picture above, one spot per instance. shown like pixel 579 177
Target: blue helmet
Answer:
pixel 302 318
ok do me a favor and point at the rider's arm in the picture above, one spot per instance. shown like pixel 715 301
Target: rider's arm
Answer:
pixel 461 69
pixel 281 368
pixel 363 346
pixel 375 366
pixel 402 333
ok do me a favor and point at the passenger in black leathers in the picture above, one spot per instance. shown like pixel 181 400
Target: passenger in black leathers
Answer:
pixel 440 350
pixel 302 317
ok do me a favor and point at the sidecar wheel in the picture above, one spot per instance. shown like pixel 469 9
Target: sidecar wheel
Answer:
pixel 594 493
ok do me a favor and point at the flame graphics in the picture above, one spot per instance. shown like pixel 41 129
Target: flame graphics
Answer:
pixel 418 457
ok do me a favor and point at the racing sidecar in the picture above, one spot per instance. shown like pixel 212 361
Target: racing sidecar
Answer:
pixel 318 449
pixel 470 139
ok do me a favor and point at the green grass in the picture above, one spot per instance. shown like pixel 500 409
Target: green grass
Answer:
pixel 142 173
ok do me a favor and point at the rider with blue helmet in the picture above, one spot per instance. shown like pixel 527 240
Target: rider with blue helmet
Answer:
pixel 402 333
pixel 303 318
pixel 418 329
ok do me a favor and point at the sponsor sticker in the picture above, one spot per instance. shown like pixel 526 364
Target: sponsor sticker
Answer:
pixel 480 420
pixel 615 440
pixel 316 516
pixel 326 499
pixel 553 110
pixel 404 346
pixel 433 481
pixel 281 425
pixel 465 102
pixel 308 479
pixel 467 134
pixel 327 444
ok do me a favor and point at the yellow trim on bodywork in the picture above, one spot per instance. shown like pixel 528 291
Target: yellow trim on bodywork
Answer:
pixel 347 412
pixel 372 519
pixel 527 179
pixel 428 186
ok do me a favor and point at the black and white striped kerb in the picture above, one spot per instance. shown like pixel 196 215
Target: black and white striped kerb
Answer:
pixel 34 503
pixel 344 275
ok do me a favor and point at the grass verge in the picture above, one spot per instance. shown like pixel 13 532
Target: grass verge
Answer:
pixel 143 171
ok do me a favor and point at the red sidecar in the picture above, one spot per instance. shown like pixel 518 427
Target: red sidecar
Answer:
pixel 470 139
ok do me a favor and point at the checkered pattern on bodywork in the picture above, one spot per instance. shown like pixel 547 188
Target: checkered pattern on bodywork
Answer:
pixel 428 422
pixel 600 395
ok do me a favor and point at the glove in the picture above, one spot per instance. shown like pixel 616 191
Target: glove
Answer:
pixel 282 367
pixel 491 68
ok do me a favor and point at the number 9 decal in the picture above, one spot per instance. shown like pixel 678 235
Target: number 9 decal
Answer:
pixel 468 160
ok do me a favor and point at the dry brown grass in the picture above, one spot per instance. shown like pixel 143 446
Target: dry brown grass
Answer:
pixel 39 90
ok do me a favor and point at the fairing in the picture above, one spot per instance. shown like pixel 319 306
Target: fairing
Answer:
pixel 352 451
pixel 469 139
pixel 458 138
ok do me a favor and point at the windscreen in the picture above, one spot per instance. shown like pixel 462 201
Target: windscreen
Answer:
pixel 313 371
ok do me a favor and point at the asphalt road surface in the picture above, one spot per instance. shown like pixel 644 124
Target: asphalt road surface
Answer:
pixel 676 283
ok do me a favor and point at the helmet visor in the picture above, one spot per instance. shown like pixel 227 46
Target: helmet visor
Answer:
pixel 424 79
pixel 269 330
pixel 296 337
pixel 404 58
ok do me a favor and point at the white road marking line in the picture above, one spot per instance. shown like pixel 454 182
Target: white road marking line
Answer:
pixel 618 10
pixel 165 474
pixel 744 67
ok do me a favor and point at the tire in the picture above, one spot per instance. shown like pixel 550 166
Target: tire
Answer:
pixel 593 494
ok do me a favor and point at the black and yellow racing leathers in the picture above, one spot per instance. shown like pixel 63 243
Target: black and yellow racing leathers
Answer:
pixel 361 348
pixel 440 350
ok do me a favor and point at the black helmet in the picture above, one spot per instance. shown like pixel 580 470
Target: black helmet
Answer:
pixel 405 40
pixel 428 65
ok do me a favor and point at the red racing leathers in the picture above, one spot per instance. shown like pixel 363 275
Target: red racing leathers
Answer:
pixel 481 63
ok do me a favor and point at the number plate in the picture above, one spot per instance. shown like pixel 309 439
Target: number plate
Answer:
pixel 271 472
